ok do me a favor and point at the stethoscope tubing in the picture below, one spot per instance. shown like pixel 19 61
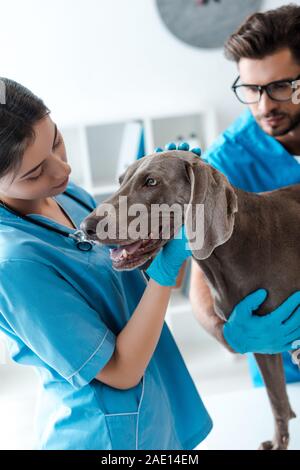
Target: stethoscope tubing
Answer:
pixel 79 236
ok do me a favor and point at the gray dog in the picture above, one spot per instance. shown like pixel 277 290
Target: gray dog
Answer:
pixel 250 241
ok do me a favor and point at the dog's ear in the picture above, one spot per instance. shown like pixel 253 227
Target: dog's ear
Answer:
pixel 212 189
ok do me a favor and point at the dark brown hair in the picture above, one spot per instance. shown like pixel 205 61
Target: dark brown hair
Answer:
pixel 265 33
pixel 19 111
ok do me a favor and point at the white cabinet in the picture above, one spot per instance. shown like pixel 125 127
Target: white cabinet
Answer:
pixel 97 151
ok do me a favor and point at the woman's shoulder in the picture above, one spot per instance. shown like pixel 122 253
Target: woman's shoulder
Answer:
pixel 13 239
pixel 19 246
pixel 18 240
pixel 15 269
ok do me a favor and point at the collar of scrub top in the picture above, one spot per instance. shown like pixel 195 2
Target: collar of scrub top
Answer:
pixel 79 237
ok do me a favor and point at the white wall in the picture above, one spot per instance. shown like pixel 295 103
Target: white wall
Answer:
pixel 102 58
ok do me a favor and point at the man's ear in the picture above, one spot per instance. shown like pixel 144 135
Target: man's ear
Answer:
pixel 212 189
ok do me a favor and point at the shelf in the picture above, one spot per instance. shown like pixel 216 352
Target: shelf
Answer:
pixel 100 152
pixel 74 140
pixel 178 128
pixel 104 143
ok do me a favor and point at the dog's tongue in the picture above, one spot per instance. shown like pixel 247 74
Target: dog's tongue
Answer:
pixel 117 253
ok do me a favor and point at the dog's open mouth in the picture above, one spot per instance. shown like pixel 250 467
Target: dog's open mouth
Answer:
pixel 128 254
pixel 135 254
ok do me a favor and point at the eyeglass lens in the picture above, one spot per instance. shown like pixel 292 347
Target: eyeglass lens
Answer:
pixel 281 91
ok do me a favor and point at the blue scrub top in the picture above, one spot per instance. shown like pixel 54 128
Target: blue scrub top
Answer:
pixel 256 162
pixel 61 309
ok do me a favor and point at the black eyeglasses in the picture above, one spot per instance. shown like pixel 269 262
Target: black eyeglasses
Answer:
pixel 280 90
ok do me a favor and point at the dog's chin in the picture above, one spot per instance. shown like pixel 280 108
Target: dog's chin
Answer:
pixel 129 254
pixel 136 254
pixel 137 261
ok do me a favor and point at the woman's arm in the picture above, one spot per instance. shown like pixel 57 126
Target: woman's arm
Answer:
pixel 136 343
pixel 202 305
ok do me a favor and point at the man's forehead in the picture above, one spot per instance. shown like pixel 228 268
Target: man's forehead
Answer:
pixel 277 66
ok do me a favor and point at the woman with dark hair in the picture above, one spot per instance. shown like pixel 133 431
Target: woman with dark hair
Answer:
pixel 112 376
pixel 89 330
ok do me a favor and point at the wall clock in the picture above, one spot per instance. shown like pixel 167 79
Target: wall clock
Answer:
pixel 205 23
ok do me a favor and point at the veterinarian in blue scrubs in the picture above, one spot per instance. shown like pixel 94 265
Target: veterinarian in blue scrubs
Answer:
pixel 62 309
pixel 260 151
pixel 111 374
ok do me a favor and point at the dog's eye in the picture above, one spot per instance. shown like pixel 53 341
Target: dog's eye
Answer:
pixel 151 182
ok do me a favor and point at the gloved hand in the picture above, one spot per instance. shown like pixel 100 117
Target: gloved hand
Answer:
pixel 270 334
pixel 183 146
pixel 165 267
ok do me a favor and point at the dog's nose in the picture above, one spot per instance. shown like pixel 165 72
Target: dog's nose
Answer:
pixel 89 226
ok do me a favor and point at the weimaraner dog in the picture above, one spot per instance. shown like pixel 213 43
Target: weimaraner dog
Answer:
pixel 251 240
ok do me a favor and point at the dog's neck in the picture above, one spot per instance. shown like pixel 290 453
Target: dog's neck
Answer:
pixel 232 261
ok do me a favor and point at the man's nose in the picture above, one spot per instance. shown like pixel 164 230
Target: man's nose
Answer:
pixel 266 104
pixel 89 226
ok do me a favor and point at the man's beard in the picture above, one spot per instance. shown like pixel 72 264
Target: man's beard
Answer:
pixel 293 124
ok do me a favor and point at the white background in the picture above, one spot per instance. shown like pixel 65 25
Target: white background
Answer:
pixel 104 58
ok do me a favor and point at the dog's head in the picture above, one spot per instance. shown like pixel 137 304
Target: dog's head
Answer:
pixel 155 197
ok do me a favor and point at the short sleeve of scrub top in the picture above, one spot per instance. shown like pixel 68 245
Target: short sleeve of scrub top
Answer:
pixel 62 309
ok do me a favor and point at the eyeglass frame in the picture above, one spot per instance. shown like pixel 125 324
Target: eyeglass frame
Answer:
pixel 261 89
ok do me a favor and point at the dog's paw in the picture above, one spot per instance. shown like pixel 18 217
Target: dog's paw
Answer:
pixel 276 444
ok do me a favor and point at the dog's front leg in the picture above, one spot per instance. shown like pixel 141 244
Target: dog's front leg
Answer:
pixel 271 367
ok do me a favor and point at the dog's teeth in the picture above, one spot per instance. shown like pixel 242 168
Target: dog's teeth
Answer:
pixel 124 253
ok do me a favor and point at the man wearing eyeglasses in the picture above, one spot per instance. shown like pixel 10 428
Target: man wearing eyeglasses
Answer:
pixel 260 151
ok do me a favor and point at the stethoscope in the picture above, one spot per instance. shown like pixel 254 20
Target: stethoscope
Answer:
pixel 79 236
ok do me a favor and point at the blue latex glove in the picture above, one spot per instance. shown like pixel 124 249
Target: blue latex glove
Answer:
pixel 270 334
pixel 165 267
pixel 183 146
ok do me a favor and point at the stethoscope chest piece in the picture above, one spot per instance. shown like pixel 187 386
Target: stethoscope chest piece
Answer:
pixel 82 243
pixel 79 236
